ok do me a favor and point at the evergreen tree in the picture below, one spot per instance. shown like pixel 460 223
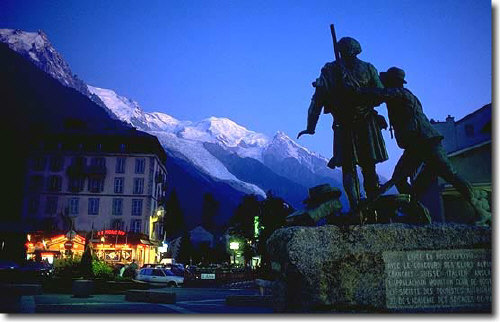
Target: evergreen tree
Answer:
pixel 186 250
pixel 210 210
pixel 274 213
pixel 173 220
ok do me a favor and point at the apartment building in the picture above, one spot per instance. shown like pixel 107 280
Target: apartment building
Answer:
pixel 467 142
pixel 96 182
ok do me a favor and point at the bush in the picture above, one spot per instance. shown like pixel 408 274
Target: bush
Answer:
pixel 101 270
pixel 67 267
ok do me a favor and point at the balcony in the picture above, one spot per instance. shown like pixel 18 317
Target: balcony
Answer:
pixel 76 170
pixel 95 170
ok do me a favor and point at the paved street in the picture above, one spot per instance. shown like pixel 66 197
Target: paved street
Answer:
pixel 189 300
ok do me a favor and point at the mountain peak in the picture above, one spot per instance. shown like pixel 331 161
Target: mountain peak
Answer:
pixel 36 47
pixel 24 41
pixel 280 135
pixel 229 132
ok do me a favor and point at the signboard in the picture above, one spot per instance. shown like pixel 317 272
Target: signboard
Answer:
pixel 205 276
pixel 111 255
pixel 68 244
pixel 126 255
pixel 111 232
pixel 438 279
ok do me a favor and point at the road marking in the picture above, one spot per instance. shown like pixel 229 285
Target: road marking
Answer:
pixel 178 308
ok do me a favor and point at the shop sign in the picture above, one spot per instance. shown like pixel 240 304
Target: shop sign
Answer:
pixel 205 276
pixel 68 244
pixel 127 255
pixel 111 232
pixel 111 255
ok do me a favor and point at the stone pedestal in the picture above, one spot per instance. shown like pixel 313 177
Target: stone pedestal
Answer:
pixel 382 268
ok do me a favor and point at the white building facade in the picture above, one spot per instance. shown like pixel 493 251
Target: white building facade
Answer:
pixel 96 183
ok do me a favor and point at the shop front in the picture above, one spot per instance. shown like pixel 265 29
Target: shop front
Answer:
pixel 48 246
pixel 111 245
pixel 120 247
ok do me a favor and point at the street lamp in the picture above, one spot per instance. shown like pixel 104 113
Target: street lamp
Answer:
pixel 234 246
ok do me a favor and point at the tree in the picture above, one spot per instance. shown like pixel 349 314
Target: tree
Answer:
pixel 186 249
pixel 173 220
pixel 210 210
pixel 274 212
pixel 243 220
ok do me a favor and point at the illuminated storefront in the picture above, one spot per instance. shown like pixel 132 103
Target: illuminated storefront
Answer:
pixel 117 246
pixel 42 246
pixel 112 246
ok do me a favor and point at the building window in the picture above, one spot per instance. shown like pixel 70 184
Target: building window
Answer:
pixel 136 207
pixel 35 182
pixel 138 186
pixel 93 206
pixel 469 130
pixel 39 163
pixel 33 205
pixel 117 224
pixel 54 183
pixel 51 206
pixel 119 184
pixel 140 165
pixel 74 206
pixel 96 184
pixel 75 184
pixel 136 225
pixel 120 165
pixel 117 206
pixel 56 163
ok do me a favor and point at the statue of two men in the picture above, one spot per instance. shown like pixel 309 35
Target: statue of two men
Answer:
pixel 350 89
pixel 357 126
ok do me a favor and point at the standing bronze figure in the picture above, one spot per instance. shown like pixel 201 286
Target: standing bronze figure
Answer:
pixel 357 126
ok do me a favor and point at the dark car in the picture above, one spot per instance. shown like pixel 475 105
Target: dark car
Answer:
pixel 35 270
pixel 8 265
pixel 8 271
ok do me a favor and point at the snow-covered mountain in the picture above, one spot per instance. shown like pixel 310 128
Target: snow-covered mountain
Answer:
pixel 211 143
pixel 214 154
pixel 36 47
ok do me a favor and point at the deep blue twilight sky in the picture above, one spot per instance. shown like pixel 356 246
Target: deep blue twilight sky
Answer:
pixel 254 61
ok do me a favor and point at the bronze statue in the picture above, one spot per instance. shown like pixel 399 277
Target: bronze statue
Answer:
pixel 415 134
pixel 357 126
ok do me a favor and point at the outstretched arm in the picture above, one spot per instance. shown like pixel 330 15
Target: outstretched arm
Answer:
pixel 374 96
pixel 313 113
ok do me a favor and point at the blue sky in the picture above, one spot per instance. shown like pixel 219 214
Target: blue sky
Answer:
pixel 254 61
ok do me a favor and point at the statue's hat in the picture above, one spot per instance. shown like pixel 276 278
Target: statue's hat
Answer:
pixel 321 193
pixel 394 73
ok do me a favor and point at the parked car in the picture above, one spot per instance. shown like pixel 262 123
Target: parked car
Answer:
pixel 8 265
pixel 36 270
pixel 8 271
pixel 160 275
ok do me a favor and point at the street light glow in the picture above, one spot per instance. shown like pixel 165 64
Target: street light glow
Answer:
pixel 234 245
